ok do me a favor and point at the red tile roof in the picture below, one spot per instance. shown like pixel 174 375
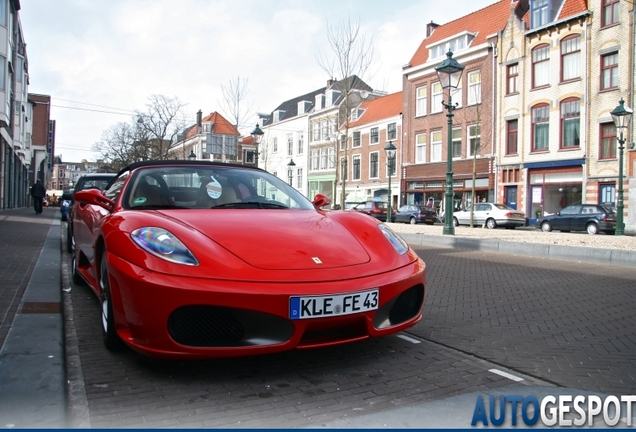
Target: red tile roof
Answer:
pixel 381 108
pixel 484 22
pixel 221 126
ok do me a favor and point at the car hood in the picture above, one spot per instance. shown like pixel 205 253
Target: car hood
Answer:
pixel 280 239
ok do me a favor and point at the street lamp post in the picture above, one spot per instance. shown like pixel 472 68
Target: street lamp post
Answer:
pixel 622 116
pixel 290 168
pixel 449 73
pixel 257 136
pixel 192 156
pixel 390 159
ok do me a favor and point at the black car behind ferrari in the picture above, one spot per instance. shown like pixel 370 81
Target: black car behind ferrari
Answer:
pixel 592 218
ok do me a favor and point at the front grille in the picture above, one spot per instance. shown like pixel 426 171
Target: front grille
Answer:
pixel 205 326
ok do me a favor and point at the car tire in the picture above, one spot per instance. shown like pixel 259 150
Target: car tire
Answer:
pixel 591 228
pixel 455 222
pixel 77 278
pixel 412 221
pixel 112 341
pixel 491 223
pixel 546 227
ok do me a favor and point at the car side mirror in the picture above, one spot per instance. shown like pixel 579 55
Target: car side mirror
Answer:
pixel 321 200
pixel 95 197
pixel 67 196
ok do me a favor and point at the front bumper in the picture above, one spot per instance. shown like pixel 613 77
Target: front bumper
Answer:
pixel 168 316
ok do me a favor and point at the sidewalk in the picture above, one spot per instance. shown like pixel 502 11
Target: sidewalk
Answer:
pixel 32 363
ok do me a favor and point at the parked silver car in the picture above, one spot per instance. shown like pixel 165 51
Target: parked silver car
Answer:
pixel 491 214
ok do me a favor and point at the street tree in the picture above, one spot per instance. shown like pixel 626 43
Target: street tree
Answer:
pixel 351 54
pixel 162 121
pixel 234 106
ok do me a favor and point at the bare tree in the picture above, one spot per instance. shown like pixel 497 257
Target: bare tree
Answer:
pixel 121 145
pixel 161 123
pixel 233 106
pixel 351 54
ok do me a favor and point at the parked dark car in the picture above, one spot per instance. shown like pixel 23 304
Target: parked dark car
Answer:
pixel 414 214
pixel 592 218
pixel 376 209
pixel 87 181
pixel 64 205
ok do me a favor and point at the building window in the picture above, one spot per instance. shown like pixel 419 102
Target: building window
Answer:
pixel 343 142
pixel 437 97
pixel 474 140
pixel 436 146
pixel 356 139
pixel 474 88
pixel 457 143
pixel 512 78
pixel 290 176
pixel 331 158
pixel 3 72
pixel 373 165
pixel 290 145
pixel 315 156
pixel 301 142
pixel 324 129
pixel 511 137
pixel 391 132
pixel 299 178
pixel 609 71
pixel 323 159
pixel 540 127
pixel 610 13
pixel 571 58
pixel 343 169
pixel 541 66
pixel 608 141
pixel 375 136
pixel 420 148
pixel 315 131
pixel 275 145
pixel 420 101
pixel 539 15
pixel 570 123
pixel 457 94
pixel 356 168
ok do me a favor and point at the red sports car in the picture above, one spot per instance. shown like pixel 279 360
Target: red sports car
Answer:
pixel 194 259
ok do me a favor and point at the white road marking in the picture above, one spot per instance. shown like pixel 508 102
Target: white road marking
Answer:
pixel 406 338
pixel 505 375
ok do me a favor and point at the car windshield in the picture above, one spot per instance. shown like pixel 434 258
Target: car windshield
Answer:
pixel 96 183
pixel 213 187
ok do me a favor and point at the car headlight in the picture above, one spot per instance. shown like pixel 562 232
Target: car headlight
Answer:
pixel 396 241
pixel 163 244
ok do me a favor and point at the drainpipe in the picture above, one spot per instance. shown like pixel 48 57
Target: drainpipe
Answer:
pixel 493 151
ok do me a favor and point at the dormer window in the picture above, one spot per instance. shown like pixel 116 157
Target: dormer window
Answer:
pixel 543 12
pixel 455 44
pixel 320 101
pixel 356 113
pixel 303 106
pixel 331 96
pixel 278 115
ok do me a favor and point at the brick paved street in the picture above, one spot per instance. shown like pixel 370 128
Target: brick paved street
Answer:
pixel 568 323
pixel 565 323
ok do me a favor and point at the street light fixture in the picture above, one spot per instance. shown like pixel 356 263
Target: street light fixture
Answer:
pixel 192 156
pixel 449 73
pixel 390 159
pixel 622 116
pixel 290 172
pixel 257 136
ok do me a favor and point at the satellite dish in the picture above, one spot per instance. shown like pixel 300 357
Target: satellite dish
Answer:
pixel 364 94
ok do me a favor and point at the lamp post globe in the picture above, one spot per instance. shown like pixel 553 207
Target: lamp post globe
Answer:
pixel 449 73
pixel 257 136
pixel 622 117
pixel 390 159
pixel 192 156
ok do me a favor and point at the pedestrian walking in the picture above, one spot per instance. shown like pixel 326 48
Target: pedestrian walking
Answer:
pixel 38 192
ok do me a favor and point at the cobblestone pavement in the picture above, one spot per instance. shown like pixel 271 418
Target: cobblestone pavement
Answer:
pixel 567 323
pixel 563 323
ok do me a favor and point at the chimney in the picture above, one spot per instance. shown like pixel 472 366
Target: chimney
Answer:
pixel 329 83
pixel 430 27
pixel 199 114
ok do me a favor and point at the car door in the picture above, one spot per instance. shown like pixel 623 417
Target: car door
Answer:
pixel 580 220
pixel 566 217
pixel 402 214
pixel 481 213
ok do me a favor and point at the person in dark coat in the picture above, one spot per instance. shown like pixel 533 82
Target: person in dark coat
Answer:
pixel 38 192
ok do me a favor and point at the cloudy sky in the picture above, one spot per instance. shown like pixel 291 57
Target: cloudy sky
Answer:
pixel 100 60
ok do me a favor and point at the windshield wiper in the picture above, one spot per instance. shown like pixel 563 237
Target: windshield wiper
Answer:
pixel 250 204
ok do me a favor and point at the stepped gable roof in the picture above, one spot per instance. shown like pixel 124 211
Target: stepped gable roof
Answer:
pixel 221 126
pixel 291 106
pixel 483 22
pixel 381 108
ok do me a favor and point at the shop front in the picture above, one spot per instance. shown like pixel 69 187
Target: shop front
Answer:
pixel 553 186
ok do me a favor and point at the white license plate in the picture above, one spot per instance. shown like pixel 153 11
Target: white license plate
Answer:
pixel 333 305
